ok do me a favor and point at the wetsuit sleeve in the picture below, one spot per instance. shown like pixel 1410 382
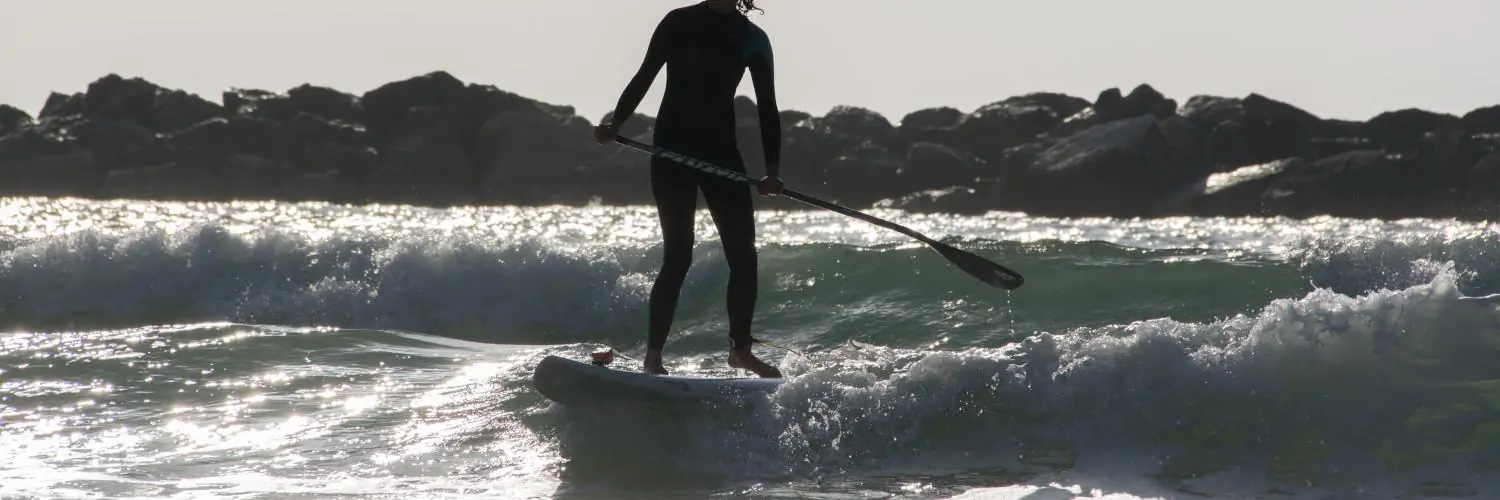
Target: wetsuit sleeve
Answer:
pixel 656 57
pixel 763 75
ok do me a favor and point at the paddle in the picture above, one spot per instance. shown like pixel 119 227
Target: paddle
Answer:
pixel 991 273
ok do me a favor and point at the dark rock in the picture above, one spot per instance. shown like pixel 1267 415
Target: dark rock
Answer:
pixel 424 162
pixel 320 145
pixel 531 157
pixel 423 174
pixel 328 186
pixel 12 119
pixel 326 103
pixel 119 143
pixel 144 103
pixel 386 106
pixel 1402 130
pixel 119 98
pixel 805 156
pixel 423 126
pixel 854 125
pixel 1236 193
pixel 1252 130
pixel 1482 189
pixel 931 118
pixel 35 163
pixel 1145 100
pixel 1207 110
pixel 1186 142
pixel 1484 120
pixel 995 127
pixel 791 117
pixel 250 177
pixel 159 182
pixel 745 109
pixel 1323 147
pixel 1111 106
pixel 863 175
pixel 1118 168
pixel 61 105
pixel 174 110
pixel 217 139
pixel 933 125
pixel 478 104
pixel 1367 183
pixel 953 200
pixel 352 163
pixel 262 104
pixel 312 128
pixel 929 166
pixel 435 140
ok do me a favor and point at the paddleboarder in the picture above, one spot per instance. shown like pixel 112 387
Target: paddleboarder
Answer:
pixel 706 48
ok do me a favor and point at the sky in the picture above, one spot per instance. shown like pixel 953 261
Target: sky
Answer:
pixel 1349 59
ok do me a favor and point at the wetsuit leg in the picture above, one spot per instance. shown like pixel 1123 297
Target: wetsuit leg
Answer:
pixel 676 196
pixel 733 210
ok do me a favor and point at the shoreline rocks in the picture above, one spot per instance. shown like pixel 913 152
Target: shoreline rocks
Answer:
pixel 435 140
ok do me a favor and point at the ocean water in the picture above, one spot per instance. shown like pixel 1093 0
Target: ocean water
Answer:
pixel 265 350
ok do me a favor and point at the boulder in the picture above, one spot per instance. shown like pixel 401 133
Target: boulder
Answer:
pixel 1232 132
pixel 848 125
pixel 931 166
pixel 12 119
pixel 1404 130
pixel 931 118
pixel 1118 168
pixel 61 105
pixel 119 143
pixel 995 127
pixel 423 174
pixel 256 103
pixel 1482 191
pixel 1235 193
pixel 1367 183
pixel 326 103
pixel 424 163
pixel 320 145
pixel 1111 106
pixel 386 106
pixel 144 103
pixel 35 163
pixel 949 200
pixel 1484 120
pixel 863 175
pixel 528 156
pixel 330 186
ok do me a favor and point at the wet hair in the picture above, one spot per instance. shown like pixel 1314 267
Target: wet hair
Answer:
pixel 746 6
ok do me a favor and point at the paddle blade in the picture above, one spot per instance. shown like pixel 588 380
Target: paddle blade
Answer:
pixel 994 274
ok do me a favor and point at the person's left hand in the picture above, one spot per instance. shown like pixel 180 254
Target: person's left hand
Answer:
pixel 770 186
pixel 606 132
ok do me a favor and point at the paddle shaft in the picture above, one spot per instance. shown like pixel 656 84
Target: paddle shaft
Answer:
pixel 789 193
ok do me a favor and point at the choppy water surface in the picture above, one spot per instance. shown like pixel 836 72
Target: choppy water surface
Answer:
pixel 264 349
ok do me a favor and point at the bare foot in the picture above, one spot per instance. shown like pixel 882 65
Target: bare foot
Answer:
pixel 652 363
pixel 746 360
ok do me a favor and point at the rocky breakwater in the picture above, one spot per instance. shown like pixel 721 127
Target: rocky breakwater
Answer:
pixel 435 140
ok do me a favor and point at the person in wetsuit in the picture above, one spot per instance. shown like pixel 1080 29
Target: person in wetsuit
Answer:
pixel 706 48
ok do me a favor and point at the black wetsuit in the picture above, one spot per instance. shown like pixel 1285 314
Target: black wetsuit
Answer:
pixel 706 54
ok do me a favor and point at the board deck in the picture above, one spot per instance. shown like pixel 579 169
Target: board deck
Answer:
pixel 573 382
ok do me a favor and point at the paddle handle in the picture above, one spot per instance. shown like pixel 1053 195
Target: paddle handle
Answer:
pixel 789 193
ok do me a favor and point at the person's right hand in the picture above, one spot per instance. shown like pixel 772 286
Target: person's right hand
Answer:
pixel 605 132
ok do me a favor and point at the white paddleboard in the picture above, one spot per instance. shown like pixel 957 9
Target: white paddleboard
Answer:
pixel 574 382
